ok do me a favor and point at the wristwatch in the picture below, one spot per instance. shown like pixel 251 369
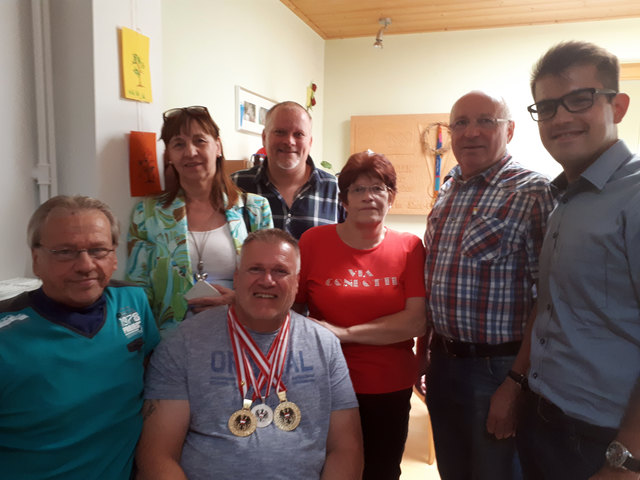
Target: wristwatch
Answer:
pixel 519 378
pixel 618 456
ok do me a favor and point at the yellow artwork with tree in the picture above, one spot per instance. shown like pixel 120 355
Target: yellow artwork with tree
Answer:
pixel 136 74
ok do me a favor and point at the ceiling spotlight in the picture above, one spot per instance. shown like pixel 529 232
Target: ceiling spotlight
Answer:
pixel 385 22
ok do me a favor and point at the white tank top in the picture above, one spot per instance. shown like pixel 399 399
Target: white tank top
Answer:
pixel 218 254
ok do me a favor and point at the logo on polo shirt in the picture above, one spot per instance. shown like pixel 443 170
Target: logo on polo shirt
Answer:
pixel 6 321
pixel 130 322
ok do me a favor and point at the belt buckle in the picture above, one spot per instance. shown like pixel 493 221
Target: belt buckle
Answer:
pixel 445 345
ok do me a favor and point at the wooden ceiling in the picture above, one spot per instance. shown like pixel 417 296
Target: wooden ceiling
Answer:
pixel 332 19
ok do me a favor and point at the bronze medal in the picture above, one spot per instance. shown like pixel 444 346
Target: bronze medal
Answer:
pixel 243 422
pixel 287 414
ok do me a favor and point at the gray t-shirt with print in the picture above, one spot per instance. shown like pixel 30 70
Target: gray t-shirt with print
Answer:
pixel 196 363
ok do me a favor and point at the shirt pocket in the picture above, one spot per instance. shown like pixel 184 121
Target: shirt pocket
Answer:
pixel 489 239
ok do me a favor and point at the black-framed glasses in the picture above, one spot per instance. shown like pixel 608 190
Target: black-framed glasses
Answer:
pixel 71 254
pixel 484 123
pixel 576 101
pixel 192 110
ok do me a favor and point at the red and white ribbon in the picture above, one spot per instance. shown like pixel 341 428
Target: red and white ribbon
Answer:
pixel 271 366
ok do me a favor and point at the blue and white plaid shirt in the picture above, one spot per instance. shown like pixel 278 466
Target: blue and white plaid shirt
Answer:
pixel 315 204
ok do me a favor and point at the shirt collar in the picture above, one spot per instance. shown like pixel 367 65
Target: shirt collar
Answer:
pixel 263 177
pixel 86 320
pixel 600 171
pixel 490 175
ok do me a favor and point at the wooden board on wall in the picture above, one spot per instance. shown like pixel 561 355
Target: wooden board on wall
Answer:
pixel 630 71
pixel 231 166
pixel 401 138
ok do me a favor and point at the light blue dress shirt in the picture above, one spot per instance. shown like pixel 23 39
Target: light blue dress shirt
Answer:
pixel 585 348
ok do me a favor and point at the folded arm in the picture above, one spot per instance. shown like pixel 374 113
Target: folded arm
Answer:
pixel 404 325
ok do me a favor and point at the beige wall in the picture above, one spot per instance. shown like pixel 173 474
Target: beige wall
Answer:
pixel 212 45
pixel 426 73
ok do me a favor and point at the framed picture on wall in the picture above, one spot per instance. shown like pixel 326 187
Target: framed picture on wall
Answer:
pixel 251 110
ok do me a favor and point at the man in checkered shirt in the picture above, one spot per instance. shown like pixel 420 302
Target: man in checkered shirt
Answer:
pixel 483 238
pixel 301 196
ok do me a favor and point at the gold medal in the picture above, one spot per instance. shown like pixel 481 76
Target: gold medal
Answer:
pixel 243 422
pixel 287 414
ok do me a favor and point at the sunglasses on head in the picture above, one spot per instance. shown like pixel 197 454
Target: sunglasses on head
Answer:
pixel 193 110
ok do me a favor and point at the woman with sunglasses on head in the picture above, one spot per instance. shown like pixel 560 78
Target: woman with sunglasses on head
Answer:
pixel 185 241
pixel 365 283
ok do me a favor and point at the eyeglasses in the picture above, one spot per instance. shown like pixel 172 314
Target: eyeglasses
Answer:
pixel 70 254
pixel 484 123
pixel 577 101
pixel 376 190
pixel 193 110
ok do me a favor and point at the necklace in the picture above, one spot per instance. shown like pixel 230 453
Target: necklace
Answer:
pixel 201 275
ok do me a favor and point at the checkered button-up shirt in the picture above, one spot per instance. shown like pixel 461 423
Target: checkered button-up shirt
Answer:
pixel 315 204
pixel 483 238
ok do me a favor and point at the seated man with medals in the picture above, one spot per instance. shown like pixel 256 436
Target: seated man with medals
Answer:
pixel 253 388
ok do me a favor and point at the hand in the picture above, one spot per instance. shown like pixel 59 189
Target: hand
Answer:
pixel 339 332
pixel 609 473
pixel 201 304
pixel 423 355
pixel 503 410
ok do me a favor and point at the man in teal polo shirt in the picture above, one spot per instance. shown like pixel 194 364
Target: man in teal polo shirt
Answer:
pixel 72 353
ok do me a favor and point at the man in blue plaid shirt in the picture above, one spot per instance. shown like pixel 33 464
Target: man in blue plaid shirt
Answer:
pixel 300 195
pixel 483 238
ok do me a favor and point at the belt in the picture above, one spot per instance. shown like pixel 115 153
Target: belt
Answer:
pixel 454 348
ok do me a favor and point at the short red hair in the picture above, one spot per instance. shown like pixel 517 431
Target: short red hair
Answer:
pixel 370 164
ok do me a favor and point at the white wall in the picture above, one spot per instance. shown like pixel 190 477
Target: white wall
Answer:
pixel 17 136
pixel 115 116
pixel 212 45
pixel 426 73
pixel 92 120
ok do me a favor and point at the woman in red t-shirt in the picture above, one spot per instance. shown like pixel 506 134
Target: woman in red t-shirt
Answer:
pixel 365 283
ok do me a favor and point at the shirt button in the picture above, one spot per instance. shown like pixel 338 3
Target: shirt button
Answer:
pixel 535 375
pixel 542 341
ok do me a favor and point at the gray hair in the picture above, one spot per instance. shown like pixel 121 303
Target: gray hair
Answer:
pixel 76 202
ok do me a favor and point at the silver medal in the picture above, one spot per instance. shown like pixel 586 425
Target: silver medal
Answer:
pixel 263 413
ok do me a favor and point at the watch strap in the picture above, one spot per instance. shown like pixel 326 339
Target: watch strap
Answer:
pixel 519 378
pixel 632 464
